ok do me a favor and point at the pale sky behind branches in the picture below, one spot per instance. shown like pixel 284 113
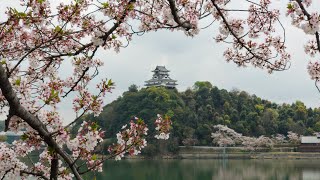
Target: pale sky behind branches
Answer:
pixel 201 59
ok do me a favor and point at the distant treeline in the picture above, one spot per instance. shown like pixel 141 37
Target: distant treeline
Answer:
pixel 196 110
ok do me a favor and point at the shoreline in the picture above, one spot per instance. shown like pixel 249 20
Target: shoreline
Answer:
pixel 264 155
pixel 201 152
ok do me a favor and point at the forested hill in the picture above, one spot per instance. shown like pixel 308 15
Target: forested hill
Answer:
pixel 196 110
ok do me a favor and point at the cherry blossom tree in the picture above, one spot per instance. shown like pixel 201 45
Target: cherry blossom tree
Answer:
pixel 39 38
pixel 224 136
pixel 279 139
pixel 253 143
pixel 309 22
pixel 294 138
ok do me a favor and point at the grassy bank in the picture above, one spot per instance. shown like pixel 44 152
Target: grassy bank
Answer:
pixel 241 153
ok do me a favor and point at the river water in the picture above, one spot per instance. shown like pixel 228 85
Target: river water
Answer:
pixel 277 169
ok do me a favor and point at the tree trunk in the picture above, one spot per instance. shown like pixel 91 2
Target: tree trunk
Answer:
pixel 54 167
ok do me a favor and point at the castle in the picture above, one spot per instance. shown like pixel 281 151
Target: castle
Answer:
pixel 161 78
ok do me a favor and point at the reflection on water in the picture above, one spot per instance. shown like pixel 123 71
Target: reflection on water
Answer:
pixel 210 169
pixel 310 175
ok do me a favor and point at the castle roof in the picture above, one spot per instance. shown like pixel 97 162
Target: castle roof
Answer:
pixel 161 68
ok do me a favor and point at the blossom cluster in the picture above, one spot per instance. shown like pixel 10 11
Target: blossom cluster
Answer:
pixel 242 33
pixel 83 145
pixel 44 163
pixel 10 164
pixel 314 70
pixel 130 140
pixel 311 48
pixel 163 126
pixel 309 22
pixel 87 101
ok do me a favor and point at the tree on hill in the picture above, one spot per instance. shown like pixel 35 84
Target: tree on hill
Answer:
pixel 39 37
pixel 194 115
pixel 202 84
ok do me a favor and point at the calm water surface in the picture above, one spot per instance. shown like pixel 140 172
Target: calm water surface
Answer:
pixel 210 169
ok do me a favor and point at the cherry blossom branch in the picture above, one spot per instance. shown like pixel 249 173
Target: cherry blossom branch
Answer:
pixel 41 44
pixel 103 159
pixel 186 25
pixel 104 37
pixel 5 173
pixel 240 43
pixel 75 120
pixel 305 12
pixel 33 121
pixel 231 30
pixel 308 15
pixel 77 82
pixel 316 84
pixel 34 174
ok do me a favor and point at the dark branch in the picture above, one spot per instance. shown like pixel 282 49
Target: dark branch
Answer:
pixel 186 25
pixel 307 14
pixel 32 120
pixel 34 174
pixel 54 167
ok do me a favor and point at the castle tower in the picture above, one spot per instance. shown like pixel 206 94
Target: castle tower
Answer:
pixel 161 78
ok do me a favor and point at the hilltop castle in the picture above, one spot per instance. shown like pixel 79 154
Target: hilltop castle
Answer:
pixel 161 78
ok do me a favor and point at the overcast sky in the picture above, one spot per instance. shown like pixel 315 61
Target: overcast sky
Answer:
pixel 200 59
